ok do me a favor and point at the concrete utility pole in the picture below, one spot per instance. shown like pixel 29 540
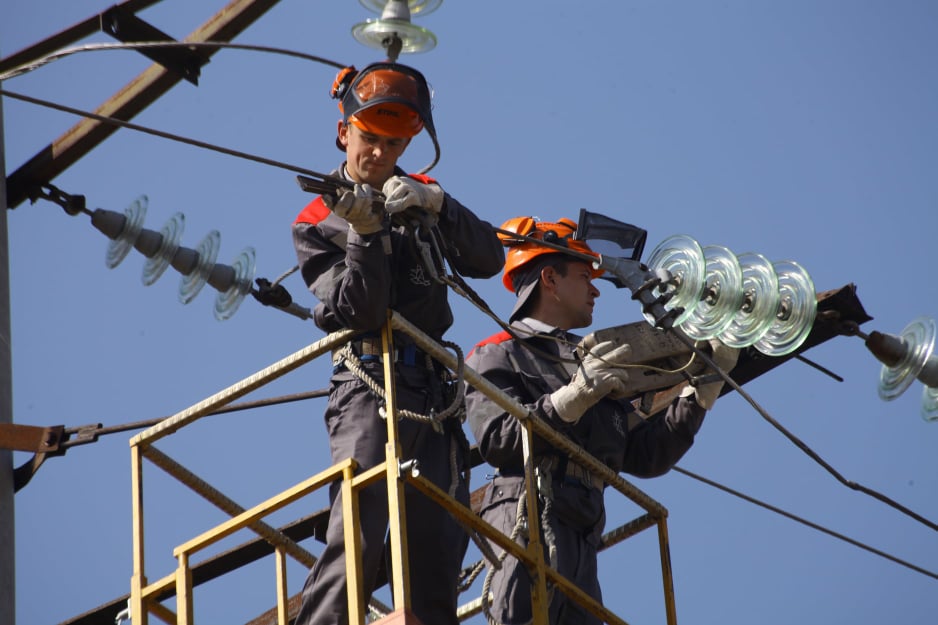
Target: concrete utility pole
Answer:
pixel 7 533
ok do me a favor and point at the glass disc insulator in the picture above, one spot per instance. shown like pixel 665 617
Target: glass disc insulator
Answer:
pixel 760 302
pixel 930 403
pixel 376 34
pixel 157 264
pixel 118 248
pixel 682 257
pixel 192 283
pixel 227 302
pixel 797 308
pixel 722 295
pixel 417 8
pixel 919 337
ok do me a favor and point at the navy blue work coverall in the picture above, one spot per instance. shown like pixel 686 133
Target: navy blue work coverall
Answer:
pixel 356 279
pixel 610 431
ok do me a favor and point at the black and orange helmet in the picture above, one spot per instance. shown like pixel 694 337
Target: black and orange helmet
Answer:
pixel 386 98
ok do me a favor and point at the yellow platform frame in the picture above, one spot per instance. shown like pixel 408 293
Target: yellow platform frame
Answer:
pixel 144 595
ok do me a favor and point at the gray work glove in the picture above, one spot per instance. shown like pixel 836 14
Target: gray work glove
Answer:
pixel 355 206
pixel 597 377
pixel 403 192
pixel 725 358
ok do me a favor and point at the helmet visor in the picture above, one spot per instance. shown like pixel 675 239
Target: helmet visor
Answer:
pixel 389 119
pixel 388 99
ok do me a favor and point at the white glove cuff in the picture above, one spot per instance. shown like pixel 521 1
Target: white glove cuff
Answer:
pixel 570 403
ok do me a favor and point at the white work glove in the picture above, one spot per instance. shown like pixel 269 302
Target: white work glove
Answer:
pixel 355 206
pixel 597 377
pixel 403 192
pixel 725 358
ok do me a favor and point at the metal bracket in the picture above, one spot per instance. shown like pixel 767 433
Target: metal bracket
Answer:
pixel 125 26
pixel 642 282
pixel 44 442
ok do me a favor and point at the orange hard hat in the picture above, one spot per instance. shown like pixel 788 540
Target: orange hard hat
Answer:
pixel 521 251
pixel 384 99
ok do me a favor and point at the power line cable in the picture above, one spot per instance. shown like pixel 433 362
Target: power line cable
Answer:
pixel 170 136
pixel 791 437
pixel 803 521
pixel 246 405
pixel 106 119
pixel 712 483
pixel 803 446
pixel 143 45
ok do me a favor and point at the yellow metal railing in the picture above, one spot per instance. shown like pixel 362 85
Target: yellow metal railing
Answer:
pixel 145 597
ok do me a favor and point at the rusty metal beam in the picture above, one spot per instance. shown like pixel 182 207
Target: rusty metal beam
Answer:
pixel 313 526
pixel 837 310
pixel 125 104
pixel 125 26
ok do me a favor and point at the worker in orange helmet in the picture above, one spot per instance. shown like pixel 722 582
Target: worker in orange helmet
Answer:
pixel 586 399
pixel 359 258
pixel 522 253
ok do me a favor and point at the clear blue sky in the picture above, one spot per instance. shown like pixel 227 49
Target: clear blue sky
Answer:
pixel 802 130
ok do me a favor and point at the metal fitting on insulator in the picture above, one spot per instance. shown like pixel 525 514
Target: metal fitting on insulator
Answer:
pixel 888 348
pixel 270 294
pixel 851 328
pixel 71 204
